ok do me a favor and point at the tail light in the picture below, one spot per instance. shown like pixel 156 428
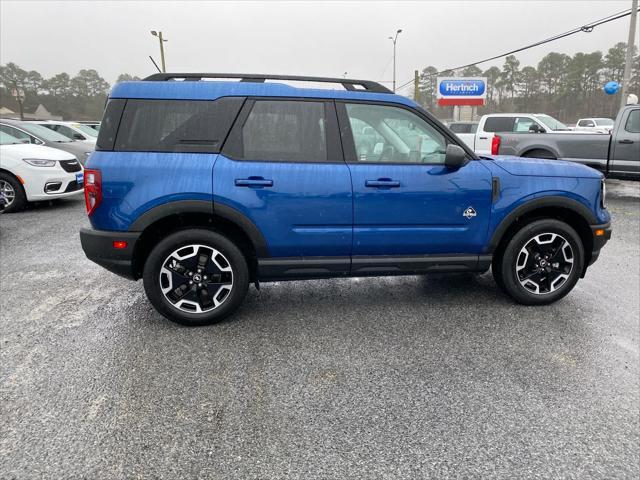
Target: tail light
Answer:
pixel 495 144
pixel 92 189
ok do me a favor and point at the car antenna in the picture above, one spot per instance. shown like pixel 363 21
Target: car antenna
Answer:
pixel 154 62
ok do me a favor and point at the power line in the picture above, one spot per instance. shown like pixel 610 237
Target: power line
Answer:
pixel 587 28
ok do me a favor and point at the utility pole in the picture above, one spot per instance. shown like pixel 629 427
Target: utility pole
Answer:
pixel 162 40
pixel 394 40
pixel 629 57
pixel 19 94
pixel 416 86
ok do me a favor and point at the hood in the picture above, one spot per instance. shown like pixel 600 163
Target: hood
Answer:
pixel 27 150
pixel 81 150
pixel 537 167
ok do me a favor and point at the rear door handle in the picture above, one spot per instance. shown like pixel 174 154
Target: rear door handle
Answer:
pixel 483 138
pixel 253 182
pixel 382 183
pixel 627 141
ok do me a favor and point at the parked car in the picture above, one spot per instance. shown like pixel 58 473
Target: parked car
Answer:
pixel 31 173
pixel 463 127
pixel 94 125
pixel 594 125
pixel 481 141
pixel 72 130
pixel 616 155
pixel 201 187
pixel 39 135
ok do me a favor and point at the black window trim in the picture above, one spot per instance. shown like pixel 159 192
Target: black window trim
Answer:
pixel 232 147
pixel 348 143
pixel 124 106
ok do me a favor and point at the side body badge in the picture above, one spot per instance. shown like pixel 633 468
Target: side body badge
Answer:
pixel 469 213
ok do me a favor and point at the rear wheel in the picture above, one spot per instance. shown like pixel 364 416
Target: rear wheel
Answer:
pixel 196 277
pixel 13 193
pixel 541 263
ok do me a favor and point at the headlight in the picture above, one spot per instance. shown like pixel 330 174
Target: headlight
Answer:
pixel 38 162
pixel 603 193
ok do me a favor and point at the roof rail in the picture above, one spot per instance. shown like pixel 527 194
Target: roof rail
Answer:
pixel 347 83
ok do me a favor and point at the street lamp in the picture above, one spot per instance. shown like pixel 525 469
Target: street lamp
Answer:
pixel 162 40
pixel 394 39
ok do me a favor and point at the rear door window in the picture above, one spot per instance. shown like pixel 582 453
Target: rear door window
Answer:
pixel 285 130
pixel 499 124
pixel 633 122
pixel 175 125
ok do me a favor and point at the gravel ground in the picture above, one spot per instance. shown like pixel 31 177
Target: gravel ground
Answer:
pixel 404 377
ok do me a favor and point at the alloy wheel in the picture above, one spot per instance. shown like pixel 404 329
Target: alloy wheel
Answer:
pixel 9 193
pixel 544 263
pixel 196 279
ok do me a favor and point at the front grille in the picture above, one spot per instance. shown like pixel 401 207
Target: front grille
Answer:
pixel 72 187
pixel 70 165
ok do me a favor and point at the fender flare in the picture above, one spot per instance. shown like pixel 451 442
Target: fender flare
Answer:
pixel 548 148
pixel 542 202
pixel 209 208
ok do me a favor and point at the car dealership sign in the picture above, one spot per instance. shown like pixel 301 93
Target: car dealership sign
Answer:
pixel 462 90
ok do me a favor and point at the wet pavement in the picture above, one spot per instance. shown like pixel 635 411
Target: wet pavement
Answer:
pixel 404 377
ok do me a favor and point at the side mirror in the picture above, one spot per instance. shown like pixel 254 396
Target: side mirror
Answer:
pixel 535 128
pixel 77 136
pixel 455 157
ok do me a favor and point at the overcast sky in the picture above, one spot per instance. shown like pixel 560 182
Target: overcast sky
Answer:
pixel 304 38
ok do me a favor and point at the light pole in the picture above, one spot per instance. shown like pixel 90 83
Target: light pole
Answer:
pixel 626 77
pixel 394 40
pixel 162 40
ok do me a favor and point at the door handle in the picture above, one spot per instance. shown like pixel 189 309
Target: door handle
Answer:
pixel 627 141
pixel 253 182
pixel 382 183
pixel 483 138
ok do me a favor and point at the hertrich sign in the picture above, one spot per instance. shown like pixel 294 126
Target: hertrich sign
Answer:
pixel 462 91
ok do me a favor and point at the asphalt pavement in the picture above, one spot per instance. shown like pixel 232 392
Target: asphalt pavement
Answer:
pixel 403 377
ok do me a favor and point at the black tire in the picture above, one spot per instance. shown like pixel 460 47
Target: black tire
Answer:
pixel 554 258
pixel 162 256
pixel 539 153
pixel 19 201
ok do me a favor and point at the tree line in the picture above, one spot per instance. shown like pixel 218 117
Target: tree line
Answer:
pixel 566 87
pixel 80 97
pixel 563 86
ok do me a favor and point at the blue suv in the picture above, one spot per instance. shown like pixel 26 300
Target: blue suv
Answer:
pixel 203 183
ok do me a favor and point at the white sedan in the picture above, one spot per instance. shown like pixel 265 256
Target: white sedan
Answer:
pixel 30 173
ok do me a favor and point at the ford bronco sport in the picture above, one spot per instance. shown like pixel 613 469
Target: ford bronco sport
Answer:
pixel 203 183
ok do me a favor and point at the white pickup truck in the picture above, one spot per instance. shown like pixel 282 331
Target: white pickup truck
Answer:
pixel 482 141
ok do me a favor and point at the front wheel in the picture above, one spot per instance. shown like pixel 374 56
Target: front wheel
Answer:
pixel 541 263
pixel 15 199
pixel 196 277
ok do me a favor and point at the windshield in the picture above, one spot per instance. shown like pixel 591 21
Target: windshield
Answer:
pixel 604 122
pixel 43 133
pixel 551 122
pixel 6 139
pixel 86 129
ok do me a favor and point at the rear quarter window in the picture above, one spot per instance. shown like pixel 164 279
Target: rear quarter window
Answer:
pixel 197 126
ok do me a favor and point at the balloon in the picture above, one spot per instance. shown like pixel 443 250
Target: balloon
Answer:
pixel 611 87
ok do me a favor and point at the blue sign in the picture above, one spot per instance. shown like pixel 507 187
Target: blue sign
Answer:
pixel 462 88
pixel 611 88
